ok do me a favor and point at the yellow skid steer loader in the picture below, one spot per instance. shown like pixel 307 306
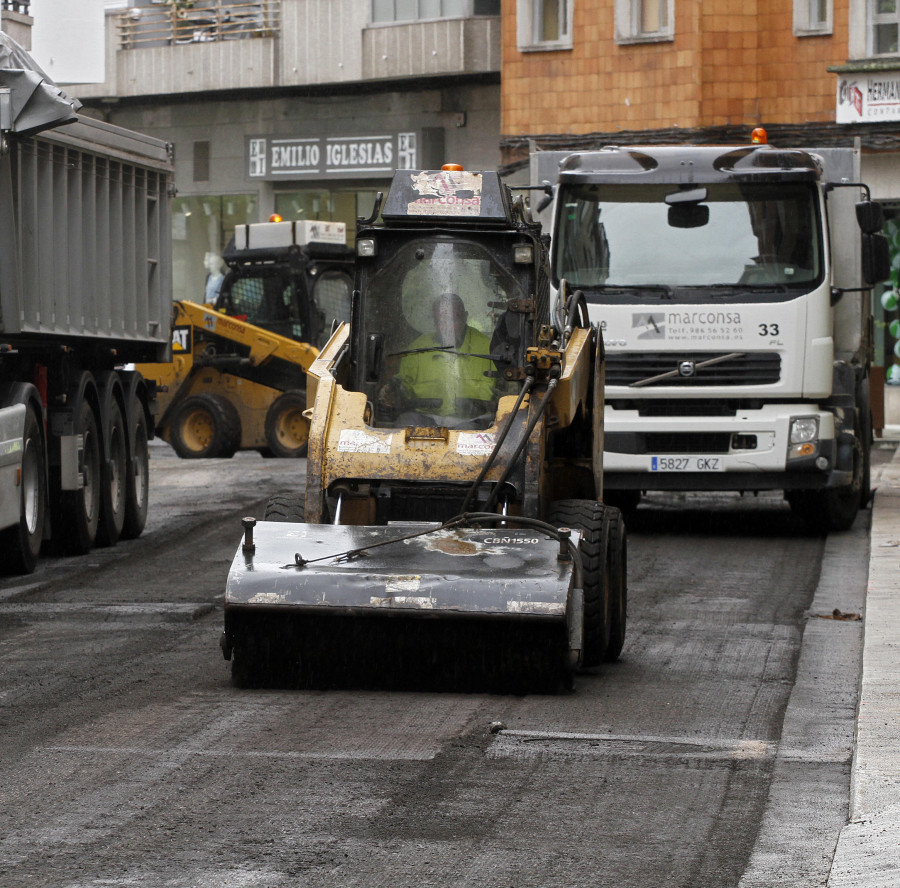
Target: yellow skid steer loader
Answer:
pixel 452 534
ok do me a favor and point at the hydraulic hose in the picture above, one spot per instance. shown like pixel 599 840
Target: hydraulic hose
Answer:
pixel 526 387
pixel 492 500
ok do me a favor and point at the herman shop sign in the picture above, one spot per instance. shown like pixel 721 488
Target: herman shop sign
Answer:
pixel 868 98
pixel 332 157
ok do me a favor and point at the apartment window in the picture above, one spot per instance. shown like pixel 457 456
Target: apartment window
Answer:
pixel 884 21
pixel 544 24
pixel 412 10
pixel 812 17
pixel 201 161
pixel 644 21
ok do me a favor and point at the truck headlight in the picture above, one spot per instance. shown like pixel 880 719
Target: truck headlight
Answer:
pixel 804 430
pixel 365 247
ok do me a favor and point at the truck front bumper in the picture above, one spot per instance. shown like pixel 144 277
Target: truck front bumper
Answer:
pixel 747 451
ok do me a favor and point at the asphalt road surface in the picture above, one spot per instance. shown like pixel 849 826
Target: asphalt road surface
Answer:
pixel 128 759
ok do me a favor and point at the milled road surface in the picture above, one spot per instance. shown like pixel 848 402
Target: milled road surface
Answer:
pixel 129 759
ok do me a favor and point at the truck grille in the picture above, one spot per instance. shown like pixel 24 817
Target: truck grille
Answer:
pixel 748 368
pixel 667 442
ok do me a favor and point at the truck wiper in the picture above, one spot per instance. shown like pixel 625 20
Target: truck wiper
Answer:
pixel 446 349
pixel 418 351
pixel 663 289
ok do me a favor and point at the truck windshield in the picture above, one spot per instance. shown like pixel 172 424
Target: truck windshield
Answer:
pixel 734 235
pixel 438 334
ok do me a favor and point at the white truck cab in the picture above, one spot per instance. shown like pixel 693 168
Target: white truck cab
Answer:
pixel 732 288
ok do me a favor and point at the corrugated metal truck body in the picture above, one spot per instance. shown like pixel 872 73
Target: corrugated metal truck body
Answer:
pixel 85 292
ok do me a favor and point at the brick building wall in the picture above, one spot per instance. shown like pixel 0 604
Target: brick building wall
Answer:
pixel 731 62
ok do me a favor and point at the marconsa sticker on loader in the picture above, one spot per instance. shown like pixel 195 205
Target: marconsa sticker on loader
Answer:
pixel 446 193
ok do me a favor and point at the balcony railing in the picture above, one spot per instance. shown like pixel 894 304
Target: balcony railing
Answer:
pixel 204 21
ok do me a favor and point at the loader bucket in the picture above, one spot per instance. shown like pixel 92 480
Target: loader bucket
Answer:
pixel 460 609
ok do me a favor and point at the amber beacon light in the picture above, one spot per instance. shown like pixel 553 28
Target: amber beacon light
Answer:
pixel 759 136
pixel 452 167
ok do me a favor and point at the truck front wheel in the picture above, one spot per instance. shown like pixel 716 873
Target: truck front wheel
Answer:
pixel 835 509
pixel 21 543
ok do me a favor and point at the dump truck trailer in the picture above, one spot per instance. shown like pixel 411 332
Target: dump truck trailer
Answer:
pixel 85 289
pixel 452 532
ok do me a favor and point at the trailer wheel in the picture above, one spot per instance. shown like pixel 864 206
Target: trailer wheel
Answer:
pixel 617 567
pixel 205 426
pixel 287 429
pixel 113 476
pixel 137 487
pixel 20 544
pixel 591 519
pixel 81 508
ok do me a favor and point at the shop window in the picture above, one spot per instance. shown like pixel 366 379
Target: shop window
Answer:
pixel 322 204
pixel 544 24
pixel 413 10
pixel 201 227
pixel 812 17
pixel 201 161
pixel 644 21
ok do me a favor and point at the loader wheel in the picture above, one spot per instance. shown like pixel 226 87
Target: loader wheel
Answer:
pixel 617 568
pixel 287 429
pixel 592 519
pixel 206 426
pixel 285 507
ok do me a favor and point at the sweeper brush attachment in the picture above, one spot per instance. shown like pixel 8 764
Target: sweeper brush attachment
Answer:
pixel 445 607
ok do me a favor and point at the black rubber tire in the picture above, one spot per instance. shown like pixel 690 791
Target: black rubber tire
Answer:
pixel 626 501
pixel 20 544
pixel 80 509
pixel 835 509
pixel 286 507
pixel 617 570
pixel 205 427
pixel 137 499
pixel 113 475
pixel 590 519
pixel 287 430
pixel 867 437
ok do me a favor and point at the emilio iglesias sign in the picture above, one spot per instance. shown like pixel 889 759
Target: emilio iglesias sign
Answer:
pixel 280 157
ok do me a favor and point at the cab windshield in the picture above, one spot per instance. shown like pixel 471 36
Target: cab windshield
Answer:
pixel 663 237
pixel 438 335
pixel 265 300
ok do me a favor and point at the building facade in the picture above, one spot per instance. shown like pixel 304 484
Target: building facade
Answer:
pixel 580 74
pixel 300 107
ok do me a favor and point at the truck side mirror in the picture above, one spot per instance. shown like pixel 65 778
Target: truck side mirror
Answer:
pixel 876 257
pixel 870 216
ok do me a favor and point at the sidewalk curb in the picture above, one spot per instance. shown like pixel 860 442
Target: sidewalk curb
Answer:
pixel 868 849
